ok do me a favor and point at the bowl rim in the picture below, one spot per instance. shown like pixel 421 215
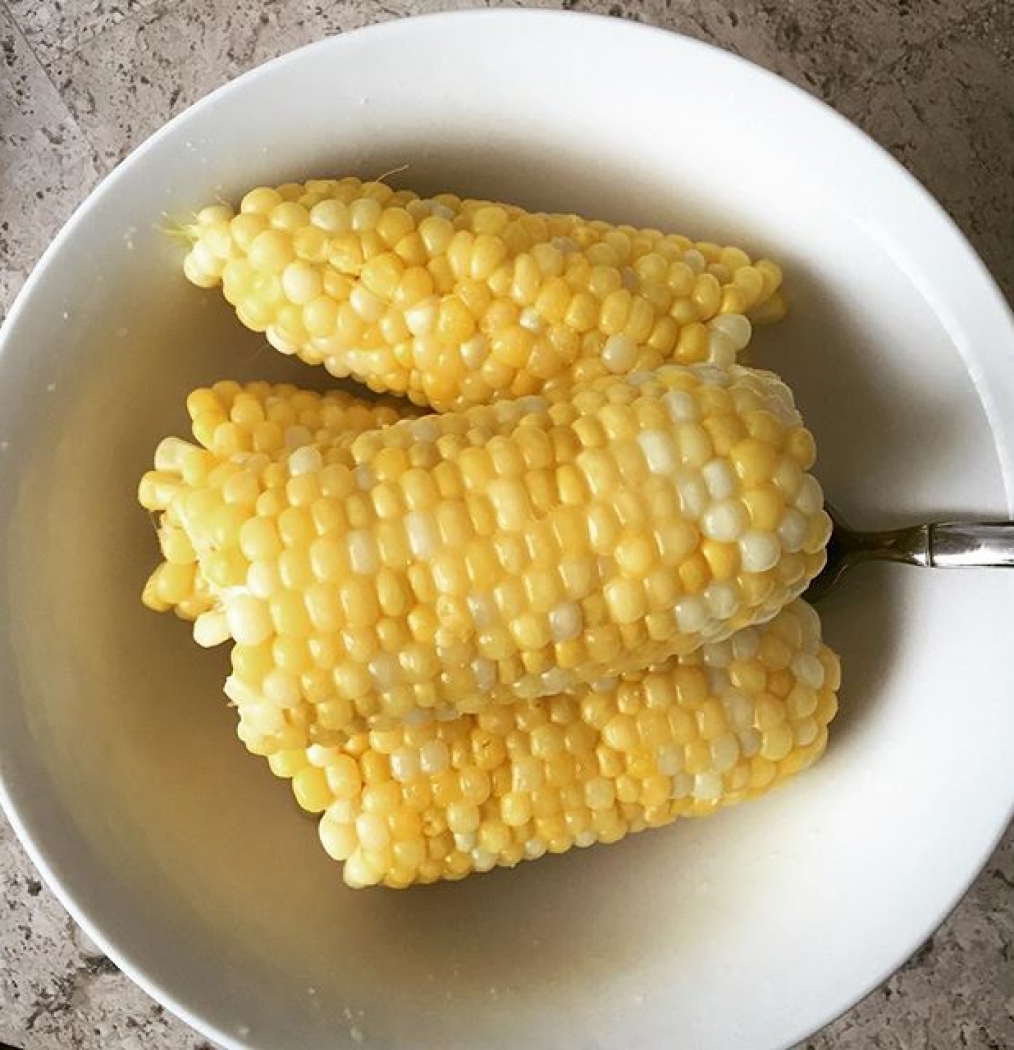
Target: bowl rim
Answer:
pixel 927 217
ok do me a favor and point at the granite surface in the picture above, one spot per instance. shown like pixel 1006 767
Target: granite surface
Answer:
pixel 83 81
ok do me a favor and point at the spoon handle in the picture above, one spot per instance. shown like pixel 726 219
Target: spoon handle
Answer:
pixel 959 544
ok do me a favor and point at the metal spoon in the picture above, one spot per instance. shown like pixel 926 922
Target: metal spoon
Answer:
pixel 940 545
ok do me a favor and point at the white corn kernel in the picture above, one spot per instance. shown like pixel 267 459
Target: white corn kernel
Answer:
pixel 724 521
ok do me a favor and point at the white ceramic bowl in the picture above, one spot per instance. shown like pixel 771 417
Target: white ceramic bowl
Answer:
pixel 186 860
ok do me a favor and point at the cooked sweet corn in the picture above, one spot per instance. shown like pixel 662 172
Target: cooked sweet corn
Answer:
pixel 441 799
pixel 506 552
pixel 457 302
pixel 241 431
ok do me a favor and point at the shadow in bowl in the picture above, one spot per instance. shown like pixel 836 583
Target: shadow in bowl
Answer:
pixel 867 441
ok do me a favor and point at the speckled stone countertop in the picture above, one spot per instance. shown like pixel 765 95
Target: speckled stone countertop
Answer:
pixel 84 81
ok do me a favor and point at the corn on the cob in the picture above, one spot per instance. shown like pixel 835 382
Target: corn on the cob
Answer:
pixel 505 552
pixel 457 302
pixel 241 430
pixel 442 799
